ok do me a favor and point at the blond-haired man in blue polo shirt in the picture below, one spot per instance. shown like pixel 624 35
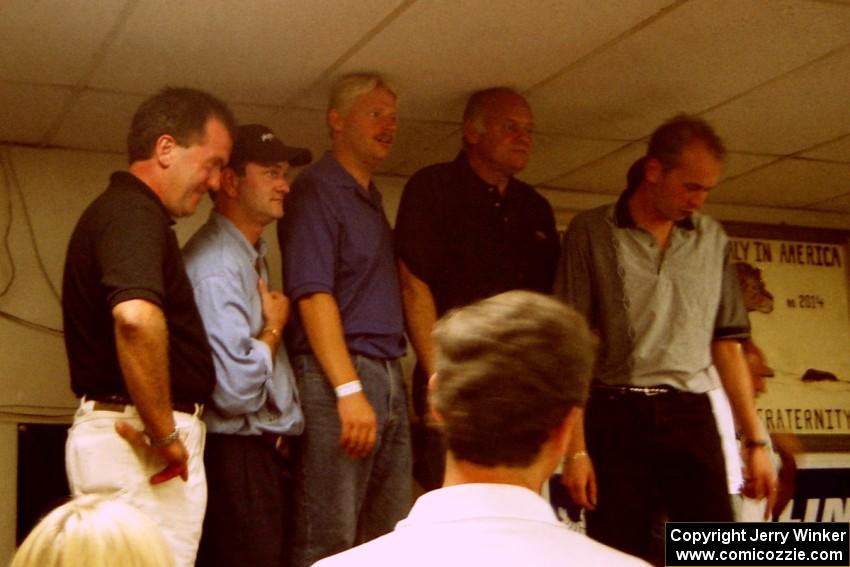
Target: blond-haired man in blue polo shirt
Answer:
pixel 352 479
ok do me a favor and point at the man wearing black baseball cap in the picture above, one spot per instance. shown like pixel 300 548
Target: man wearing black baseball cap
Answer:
pixel 254 409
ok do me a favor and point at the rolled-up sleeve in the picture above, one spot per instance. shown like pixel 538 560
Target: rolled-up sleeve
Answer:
pixel 243 364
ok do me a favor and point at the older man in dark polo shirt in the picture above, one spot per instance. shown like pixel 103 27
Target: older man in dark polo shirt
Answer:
pixel 137 350
pixel 353 473
pixel 466 230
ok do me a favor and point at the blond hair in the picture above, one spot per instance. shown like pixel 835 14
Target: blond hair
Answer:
pixel 347 88
pixel 95 531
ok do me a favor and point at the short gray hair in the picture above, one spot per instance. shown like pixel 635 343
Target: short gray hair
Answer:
pixel 476 105
pixel 509 369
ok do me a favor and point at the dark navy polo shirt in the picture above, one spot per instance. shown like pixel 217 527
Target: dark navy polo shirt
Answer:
pixel 458 235
pixel 335 239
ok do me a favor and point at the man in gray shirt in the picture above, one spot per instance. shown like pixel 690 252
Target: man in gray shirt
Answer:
pixel 653 277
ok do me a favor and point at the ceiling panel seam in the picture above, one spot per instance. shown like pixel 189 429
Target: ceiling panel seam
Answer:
pixel 778 77
pixel 640 26
pixel 96 60
pixel 349 53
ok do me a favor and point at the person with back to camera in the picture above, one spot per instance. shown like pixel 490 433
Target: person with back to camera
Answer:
pixel 512 372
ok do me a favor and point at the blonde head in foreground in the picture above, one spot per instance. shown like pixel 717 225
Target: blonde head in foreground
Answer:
pixel 94 531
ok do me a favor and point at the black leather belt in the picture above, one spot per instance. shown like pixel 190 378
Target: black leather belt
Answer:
pixel 119 402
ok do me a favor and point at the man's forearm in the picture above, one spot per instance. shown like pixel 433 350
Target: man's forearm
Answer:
pixel 420 315
pixel 323 325
pixel 735 375
pixel 141 341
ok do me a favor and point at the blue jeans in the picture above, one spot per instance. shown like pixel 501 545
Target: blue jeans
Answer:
pixel 341 501
pixel 656 458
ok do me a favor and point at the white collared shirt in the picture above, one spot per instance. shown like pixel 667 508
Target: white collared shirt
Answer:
pixel 481 524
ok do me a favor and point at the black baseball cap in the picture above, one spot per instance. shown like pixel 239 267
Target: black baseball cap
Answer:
pixel 257 143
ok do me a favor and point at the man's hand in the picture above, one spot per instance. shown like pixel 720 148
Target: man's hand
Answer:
pixel 358 425
pixel 760 478
pixel 580 480
pixel 174 454
pixel 275 306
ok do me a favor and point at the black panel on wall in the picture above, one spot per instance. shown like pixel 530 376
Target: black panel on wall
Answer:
pixel 42 484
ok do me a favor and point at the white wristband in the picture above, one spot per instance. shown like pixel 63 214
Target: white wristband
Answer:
pixel 348 388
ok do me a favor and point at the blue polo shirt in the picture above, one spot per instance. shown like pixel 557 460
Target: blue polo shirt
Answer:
pixel 335 239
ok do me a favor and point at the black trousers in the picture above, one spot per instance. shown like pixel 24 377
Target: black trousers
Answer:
pixel 249 506
pixel 656 457
pixel 427 443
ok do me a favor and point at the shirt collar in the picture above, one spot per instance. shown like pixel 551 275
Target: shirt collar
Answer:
pixel 623 216
pixel 129 181
pixel 227 227
pixel 484 500
pixel 340 177
pixel 471 179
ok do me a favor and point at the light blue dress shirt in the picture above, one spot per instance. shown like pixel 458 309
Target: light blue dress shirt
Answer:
pixel 252 393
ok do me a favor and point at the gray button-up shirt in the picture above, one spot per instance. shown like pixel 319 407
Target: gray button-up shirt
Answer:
pixel 657 310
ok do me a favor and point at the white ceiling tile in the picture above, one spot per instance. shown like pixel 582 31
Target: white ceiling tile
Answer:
pixel 98 121
pixel 441 151
pixel 605 175
pixel 691 59
pixel 254 114
pixel 263 51
pixel 737 164
pixel 838 150
pixel 53 41
pixel 439 52
pixel 786 183
pixel 415 139
pixel 626 66
pixel 27 112
pixel 798 111
pixel 303 128
pixel 609 174
pixel 563 200
pixel 555 155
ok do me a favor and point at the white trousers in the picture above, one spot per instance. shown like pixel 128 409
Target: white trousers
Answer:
pixel 99 461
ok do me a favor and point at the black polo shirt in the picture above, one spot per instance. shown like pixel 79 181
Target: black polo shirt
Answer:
pixel 123 248
pixel 458 235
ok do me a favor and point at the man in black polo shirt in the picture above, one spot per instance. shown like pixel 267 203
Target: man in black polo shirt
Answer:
pixel 467 230
pixel 137 351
